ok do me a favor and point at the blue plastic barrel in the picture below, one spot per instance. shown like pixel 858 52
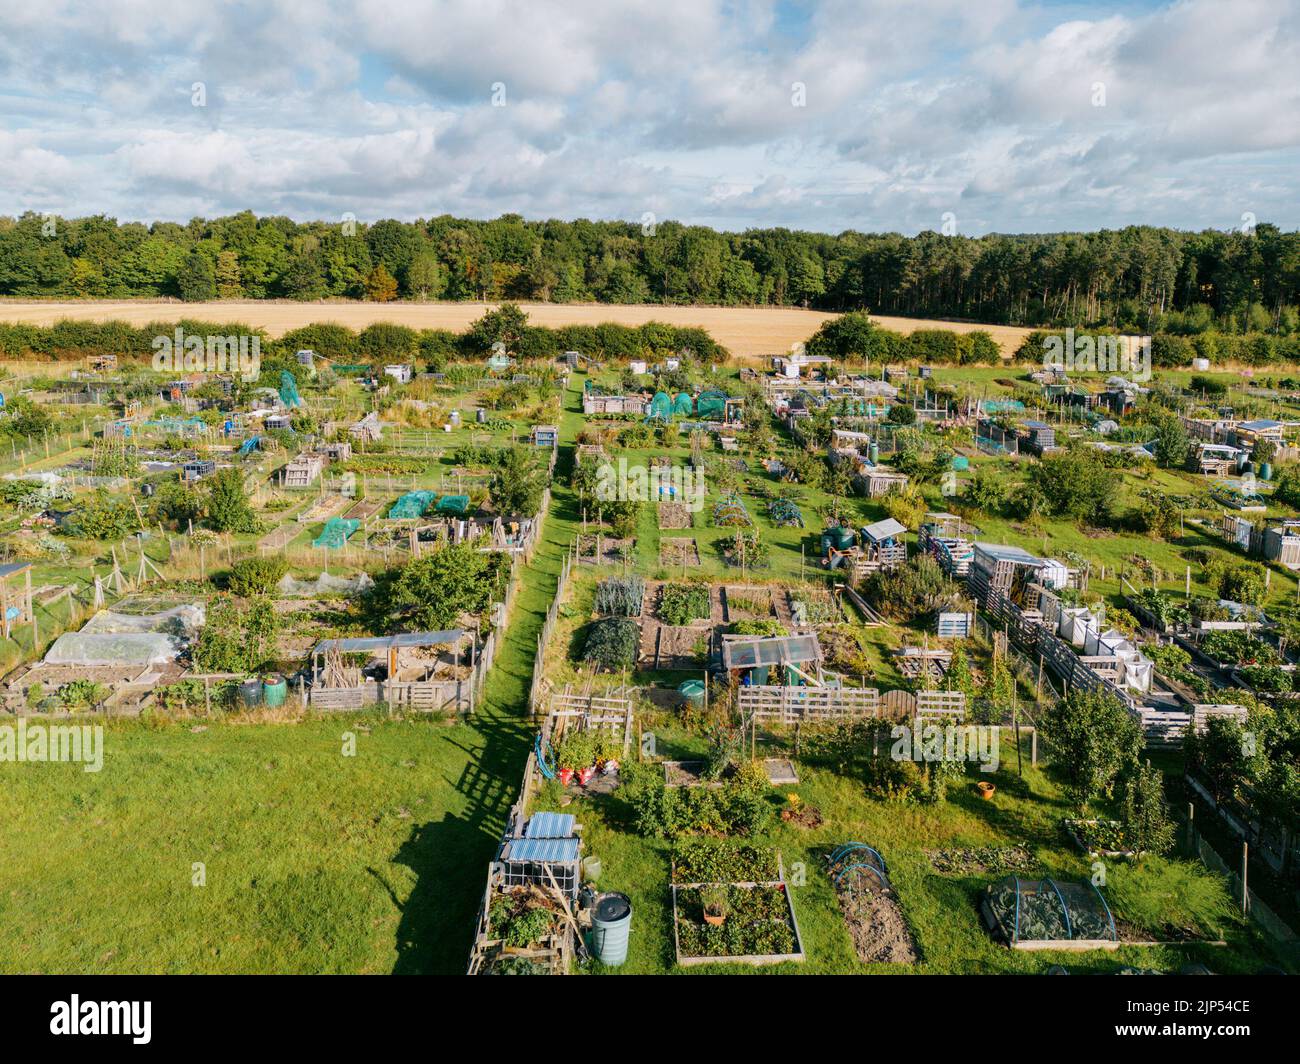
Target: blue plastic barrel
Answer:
pixel 611 923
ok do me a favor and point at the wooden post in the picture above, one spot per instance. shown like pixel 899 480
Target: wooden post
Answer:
pixel 1191 827
pixel 1245 889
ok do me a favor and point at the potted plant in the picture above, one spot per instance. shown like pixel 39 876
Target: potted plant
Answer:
pixel 573 755
pixel 714 902
pixel 985 789
pixel 607 748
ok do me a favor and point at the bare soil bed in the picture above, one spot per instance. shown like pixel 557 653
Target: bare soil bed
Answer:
pixel 674 515
pixel 678 552
pixel 880 934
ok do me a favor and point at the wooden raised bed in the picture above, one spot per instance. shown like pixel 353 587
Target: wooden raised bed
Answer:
pixel 754 960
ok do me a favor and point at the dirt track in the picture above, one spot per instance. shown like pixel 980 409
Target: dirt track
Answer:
pixel 745 331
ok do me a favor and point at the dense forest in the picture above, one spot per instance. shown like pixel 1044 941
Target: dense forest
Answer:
pixel 1140 278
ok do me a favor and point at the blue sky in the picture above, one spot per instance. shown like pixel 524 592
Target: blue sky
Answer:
pixel 878 115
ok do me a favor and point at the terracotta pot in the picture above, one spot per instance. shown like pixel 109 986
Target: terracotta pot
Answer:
pixel 985 789
pixel 716 921
pixel 566 776
pixel 585 774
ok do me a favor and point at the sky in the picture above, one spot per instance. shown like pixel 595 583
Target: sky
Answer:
pixel 971 116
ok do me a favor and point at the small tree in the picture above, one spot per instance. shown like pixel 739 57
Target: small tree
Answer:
pixel 1093 739
pixel 1147 824
pixel 518 482
pixel 228 508
pixel 381 286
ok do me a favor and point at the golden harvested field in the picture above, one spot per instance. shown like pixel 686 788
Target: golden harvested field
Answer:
pixel 746 332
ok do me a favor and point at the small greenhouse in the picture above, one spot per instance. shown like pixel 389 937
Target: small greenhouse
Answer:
pixel 712 405
pixel 1045 914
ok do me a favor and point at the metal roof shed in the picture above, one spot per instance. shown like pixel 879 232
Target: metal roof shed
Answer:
pixel 883 531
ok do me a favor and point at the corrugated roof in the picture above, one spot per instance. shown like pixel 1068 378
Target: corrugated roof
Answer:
pixel 884 529
pixel 551 851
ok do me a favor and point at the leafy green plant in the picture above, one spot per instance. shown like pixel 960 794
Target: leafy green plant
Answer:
pixel 620 596
pixel 256 576
pixel 679 604
pixel 613 643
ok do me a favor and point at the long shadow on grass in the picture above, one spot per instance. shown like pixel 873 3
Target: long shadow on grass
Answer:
pixel 437 924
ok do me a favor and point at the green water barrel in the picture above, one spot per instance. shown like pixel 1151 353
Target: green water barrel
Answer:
pixel 250 693
pixel 275 689
pixel 692 691
pixel 841 537
pixel 874 452
pixel 1265 470
pixel 611 922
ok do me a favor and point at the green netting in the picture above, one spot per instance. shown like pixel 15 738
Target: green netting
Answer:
pixel 289 390
pixel 453 504
pixel 336 532
pixel 711 404
pixel 729 511
pixel 660 406
pixel 412 504
pixel 683 404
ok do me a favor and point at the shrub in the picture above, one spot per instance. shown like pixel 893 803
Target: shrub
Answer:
pixel 256 576
pixel 612 643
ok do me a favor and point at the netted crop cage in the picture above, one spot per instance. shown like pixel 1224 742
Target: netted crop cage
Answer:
pixel 711 405
pixel 289 390
pixel 661 407
pixel 336 532
pixel 785 512
pixel 729 512
pixel 453 504
pixel 1045 914
pixel 412 504
pixel 683 405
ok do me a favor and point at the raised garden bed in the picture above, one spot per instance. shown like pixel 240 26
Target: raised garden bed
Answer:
pixel 676 553
pixel 982 861
pixel 687 774
pixel 1098 838
pixel 760 926
pixel 674 515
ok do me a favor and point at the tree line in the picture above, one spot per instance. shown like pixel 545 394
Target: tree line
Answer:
pixel 1141 278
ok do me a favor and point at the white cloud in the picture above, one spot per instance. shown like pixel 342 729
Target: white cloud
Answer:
pixel 681 107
